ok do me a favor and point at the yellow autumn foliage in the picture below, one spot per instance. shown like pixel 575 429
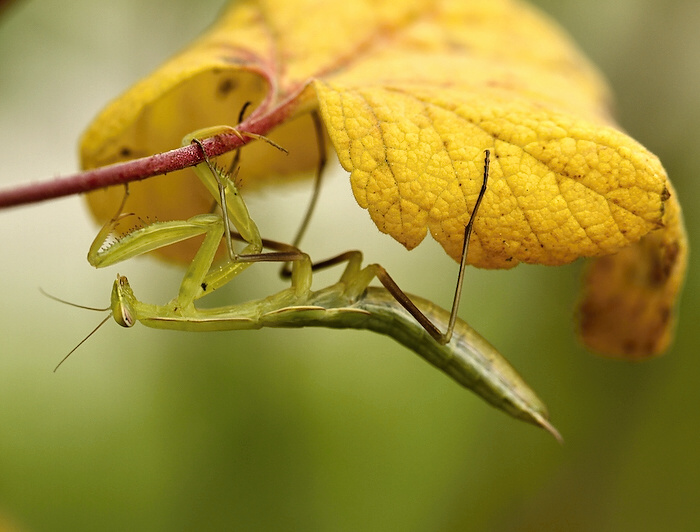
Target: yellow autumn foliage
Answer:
pixel 411 94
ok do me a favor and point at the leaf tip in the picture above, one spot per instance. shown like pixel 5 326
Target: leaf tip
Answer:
pixel 546 425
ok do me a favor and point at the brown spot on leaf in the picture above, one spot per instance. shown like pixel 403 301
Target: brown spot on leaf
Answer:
pixel 226 86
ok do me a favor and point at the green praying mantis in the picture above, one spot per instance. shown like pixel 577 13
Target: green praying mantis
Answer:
pixel 416 323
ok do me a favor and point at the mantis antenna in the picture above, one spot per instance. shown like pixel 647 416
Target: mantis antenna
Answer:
pixel 77 306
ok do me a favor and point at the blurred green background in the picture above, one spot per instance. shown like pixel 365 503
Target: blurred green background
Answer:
pixel 313 429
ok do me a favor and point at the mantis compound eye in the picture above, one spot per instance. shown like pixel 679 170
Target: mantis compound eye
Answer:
pixel 124 317
pixel 122 296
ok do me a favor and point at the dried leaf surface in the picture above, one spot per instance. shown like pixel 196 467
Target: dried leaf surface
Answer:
pixel 629 298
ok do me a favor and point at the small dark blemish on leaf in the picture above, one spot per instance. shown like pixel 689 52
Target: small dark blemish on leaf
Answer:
pixel 125 152
pixel 225 87
pixel 662 263
pixel 204 287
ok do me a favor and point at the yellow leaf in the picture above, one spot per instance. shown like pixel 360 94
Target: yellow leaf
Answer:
pixel 411 94
pixel 560 187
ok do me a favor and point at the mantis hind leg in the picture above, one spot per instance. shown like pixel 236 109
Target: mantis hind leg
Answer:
pixel 357 279
pixel 400 295
pixel 322 160
pixel 465 248
pixel 320 167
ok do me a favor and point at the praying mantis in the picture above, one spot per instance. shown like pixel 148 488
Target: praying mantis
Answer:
pixel 416 323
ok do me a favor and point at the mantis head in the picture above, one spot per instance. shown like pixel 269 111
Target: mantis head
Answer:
pixel 122 302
